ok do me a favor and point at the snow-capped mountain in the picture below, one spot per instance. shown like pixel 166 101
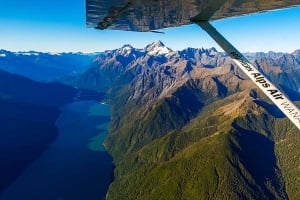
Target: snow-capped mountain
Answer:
pixel 170 69
pixel 174 112
pixel 42 66
pixel 157 48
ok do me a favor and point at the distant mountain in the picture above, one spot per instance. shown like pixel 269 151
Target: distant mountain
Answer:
pixel 190 125
pixel 45 67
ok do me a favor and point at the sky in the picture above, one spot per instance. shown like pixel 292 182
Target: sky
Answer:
pixel 59 26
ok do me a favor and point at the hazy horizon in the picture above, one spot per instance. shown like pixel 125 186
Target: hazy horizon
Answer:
pixel 110 49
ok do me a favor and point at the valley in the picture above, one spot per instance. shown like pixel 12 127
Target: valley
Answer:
pixel 51 141
pixel 189 124
pixel 183 125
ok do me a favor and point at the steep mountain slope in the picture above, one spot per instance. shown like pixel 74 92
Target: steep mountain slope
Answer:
pixel 190 125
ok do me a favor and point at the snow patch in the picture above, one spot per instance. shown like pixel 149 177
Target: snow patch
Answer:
pixel 28 53
pixel 159 51
pixel 126 50
pixel 54 53
pixel 157 48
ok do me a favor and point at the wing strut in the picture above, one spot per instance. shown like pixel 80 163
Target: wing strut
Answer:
pixel 278 98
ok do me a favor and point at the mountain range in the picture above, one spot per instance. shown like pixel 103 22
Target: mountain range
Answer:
pixel 190 125
pixel 185 124
pixel 45 67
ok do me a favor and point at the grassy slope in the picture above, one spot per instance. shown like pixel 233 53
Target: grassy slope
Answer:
pixel 221 154
pixel 288 155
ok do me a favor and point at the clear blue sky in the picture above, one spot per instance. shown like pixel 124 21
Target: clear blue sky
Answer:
pixel 59 25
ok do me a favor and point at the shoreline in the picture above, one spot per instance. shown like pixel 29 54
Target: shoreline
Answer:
pixel 55 174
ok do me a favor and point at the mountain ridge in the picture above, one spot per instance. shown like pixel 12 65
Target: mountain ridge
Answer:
pixel 189 124
pixel 45 67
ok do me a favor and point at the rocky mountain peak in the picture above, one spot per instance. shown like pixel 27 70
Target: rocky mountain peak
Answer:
pixel 125 50
pixel 2 53
pixel 213 50
pixel 158 43
pixel 127 46
pixel 157 48
pixel 296 53
pixel 176 104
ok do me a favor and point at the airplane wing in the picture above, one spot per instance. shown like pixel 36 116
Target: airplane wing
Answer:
pixel 149 15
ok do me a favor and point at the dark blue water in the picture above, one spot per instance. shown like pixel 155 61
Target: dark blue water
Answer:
pixel 76 166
